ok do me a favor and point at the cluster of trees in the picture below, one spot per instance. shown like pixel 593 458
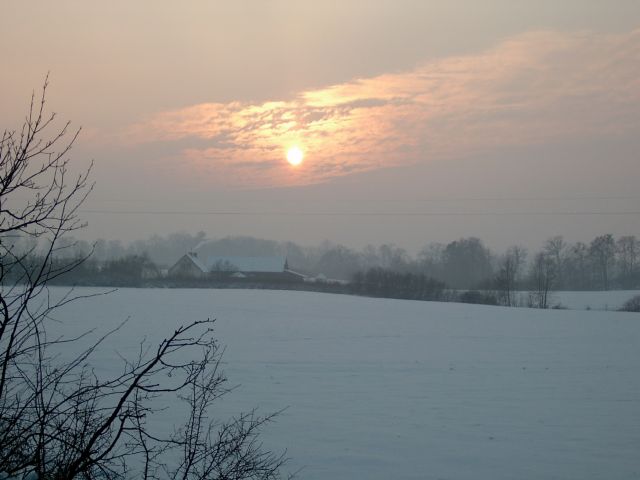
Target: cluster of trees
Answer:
pixel 466 263
pixel 513 278
pixel 128 271
pixel 602 264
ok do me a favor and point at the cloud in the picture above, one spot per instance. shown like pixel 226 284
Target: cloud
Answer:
pixel 533 88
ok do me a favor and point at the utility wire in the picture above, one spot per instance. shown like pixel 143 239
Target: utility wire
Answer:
pixel 445 199
pixel 358 214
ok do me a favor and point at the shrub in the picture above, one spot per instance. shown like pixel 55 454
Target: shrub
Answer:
pixel 478 297
pixel 631 305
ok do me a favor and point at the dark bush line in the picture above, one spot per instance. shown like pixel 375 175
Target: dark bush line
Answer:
pixel 380 282
pixel 631 305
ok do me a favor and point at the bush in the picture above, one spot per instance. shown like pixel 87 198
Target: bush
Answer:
pixel 631 305
pixel 380 282
pixel 478 297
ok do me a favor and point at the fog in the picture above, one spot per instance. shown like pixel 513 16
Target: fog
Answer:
pixel 578 194
pixel 420 121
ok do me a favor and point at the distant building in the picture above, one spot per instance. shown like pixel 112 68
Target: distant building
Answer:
pixel 265 269
pixel 188 266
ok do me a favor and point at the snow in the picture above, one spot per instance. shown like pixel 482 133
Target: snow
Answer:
pixel 392 389
pixel 611 300
pixel 196 261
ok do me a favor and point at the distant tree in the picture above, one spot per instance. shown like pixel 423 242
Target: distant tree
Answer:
pixel 543 275
pixel 555 248
pixel 602 252
pixel 628 250
pixel 337 261
pixel 577 270
pixel 394 258
pixel 114 250
pixel 509 273
pixel 370 256
pixel 130 270
pixel 466 263
pixel 431 260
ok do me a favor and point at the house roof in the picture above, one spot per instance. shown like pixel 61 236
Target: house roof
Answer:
pixel 197 262
pixel 249 264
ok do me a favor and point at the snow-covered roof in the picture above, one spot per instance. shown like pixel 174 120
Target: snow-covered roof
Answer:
pixel 247 264
pixel 197 262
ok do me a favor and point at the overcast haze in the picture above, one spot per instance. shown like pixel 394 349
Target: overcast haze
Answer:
pixel 419 120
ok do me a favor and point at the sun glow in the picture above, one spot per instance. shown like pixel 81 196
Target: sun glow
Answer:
pixel 295 156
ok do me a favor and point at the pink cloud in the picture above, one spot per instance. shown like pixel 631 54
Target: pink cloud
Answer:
pixel 533 88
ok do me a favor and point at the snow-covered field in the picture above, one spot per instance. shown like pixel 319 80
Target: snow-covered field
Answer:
pixel 611 300
pixel 597 300
pixel 390 389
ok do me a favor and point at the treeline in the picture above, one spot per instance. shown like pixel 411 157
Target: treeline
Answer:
pixel 128 271
pixel 603 264
pixel 380 282
pixel 465 264
pixel 513 278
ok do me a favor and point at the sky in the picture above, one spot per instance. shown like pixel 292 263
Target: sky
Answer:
pixel 420 121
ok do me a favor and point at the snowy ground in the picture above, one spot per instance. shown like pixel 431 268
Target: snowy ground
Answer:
pixel 390 389
pixel 599 300
pixel 611 300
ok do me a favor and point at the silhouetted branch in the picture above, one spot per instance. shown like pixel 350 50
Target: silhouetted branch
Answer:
pixel 58 419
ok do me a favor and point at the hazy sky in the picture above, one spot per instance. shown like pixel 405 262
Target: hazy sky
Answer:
pixel 420 121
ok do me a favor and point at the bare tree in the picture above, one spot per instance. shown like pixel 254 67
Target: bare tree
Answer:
pixel 602 252
pixel 628 249
pixel 431 259
pixel 555 248
pixel 543 275
pixel 576 266
pixel 509 273
pixel 58 420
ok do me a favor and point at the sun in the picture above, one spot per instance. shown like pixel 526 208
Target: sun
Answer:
pixel 295 156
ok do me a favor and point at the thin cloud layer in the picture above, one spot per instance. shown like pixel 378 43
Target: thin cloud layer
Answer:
pixel 533 88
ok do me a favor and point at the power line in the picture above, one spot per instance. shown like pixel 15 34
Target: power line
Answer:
pixel 446 199
pixel 358 214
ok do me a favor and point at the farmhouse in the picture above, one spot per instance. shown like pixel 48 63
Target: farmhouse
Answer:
pixel 188 266
pixel 264 269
